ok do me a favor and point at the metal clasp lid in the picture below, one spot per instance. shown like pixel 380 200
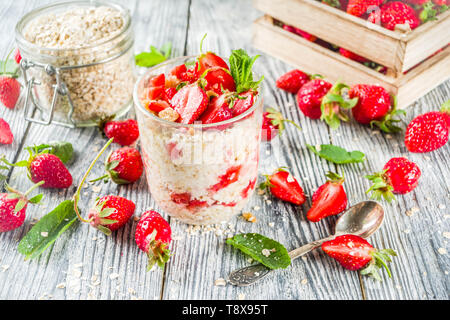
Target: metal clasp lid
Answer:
pixel 59 89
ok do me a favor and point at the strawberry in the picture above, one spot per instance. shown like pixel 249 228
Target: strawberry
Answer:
pixel 428 131
pixel 153 235
pixel 157 81
pixel 13 206
pixel 329 199
pixel 355 253
pixel 333 103
pixel 9 91
pixel 300 32
pixel 155 93
pixel 243 102
pixel 6 136
pixel 179 71
pixel 111 213
pixel 50 169
pixel 340 4
pixel 351 55
pixel 17 56
pixel 374 107
pixel 190 102
pixel 218 110
pixel 395 13
pixel 284 187
pixel 360 7
pixel 207 61
pixel 273 123
pixel 124 132
pixel 157 105
pixel 292 81
pixel 218 79
pixel 169 93
pixel 309 97
pixel 399 175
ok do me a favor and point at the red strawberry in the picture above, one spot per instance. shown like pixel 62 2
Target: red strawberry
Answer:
pixel 190 102
pixel 273 123
pixel 124 132
pixel 374 107
pixel 207 61
pixel 153 235
pixel 300 32
pixel 230 176
pixel 9 91
pixel 155 93
pixel 169 93
pixel 218 110
pixel 111 213
pixel 333 104
pixel 157 81
pixel 394 13
pixel 399 175
pixel 309 97
pixel 292 81
pixel 179 71
pixel 416 2
pixel 351 55
pixel 428 131
pixel 13 206
pixel 243 102
pixel 123 166
pixel 6 136
pixel 17 56
pixel 360 7
pixel 355 253
pixel 219 79
pixel 157 105
pixel 329 199
pixel 284 186
pixel 50 169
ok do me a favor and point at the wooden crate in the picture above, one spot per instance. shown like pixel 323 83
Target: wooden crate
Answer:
pixel 396 50
pixel 313 58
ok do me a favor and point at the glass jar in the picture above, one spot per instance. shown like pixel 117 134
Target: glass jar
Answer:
pixel 199 173
pixel 77 86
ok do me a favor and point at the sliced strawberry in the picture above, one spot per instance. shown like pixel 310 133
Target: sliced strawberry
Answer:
pixel 230 176
pixel 179 71
pixel 157 105
pixel 285 187
pixel 169 93
pixel 6 136
pixel 190 102
pixel 181 198
pixel 155 93
pixel 219 79
pixel 159 80
pixel 243 103
pixel 217 110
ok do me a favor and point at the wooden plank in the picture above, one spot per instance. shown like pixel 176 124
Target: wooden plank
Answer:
pixel 201 259
pixel 106 268
pixel 339 28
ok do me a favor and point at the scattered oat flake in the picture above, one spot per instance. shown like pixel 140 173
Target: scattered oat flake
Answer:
pixel 412 211
pixel 44 234
pixel 61 285
pixel 304 281
pixel 442 206
pixel 256 208
pixel 271 224
pixel 5 267
pixel 261 191
pixel 249 217
pixel 241 296
pixel 220 282
pixel 442 251
pixel 446 234
pixel 265 252
pixel 96 189
pixel 113 276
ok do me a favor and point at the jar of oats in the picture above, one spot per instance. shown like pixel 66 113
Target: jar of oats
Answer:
pixel 77 62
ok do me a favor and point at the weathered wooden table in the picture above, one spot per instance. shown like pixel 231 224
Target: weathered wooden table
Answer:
pixel 85 264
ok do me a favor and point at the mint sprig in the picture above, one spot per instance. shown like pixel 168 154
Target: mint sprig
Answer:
pixel 241 70
pixel 269 252
pixel 337 154
pixel 154 57
pixel 47 230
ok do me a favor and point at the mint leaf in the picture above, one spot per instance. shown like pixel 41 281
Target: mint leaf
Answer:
pixel 63 150
pixel 337 154
pixel 154 57
pixel 241 70
pixel 269 252
pixel 47 230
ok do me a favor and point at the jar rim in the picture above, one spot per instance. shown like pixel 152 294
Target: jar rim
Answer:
pixel 137 101
pixel 20 39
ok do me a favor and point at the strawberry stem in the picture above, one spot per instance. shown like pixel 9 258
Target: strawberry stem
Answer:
pixel 76 196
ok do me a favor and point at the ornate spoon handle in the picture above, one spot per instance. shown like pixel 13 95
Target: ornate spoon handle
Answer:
pixel 251 274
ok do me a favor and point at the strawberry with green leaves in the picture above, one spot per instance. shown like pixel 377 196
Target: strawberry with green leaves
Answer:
pixel 329 199
pixel 274 123
pixel 399 175
pixel 124 132
pixel 309 97
pixel 284 186
pixel 9 86
pixel 13 206
pixel 333 104
pixel 395 13
pixel 355 253
pixel 153 236
pixel 111 213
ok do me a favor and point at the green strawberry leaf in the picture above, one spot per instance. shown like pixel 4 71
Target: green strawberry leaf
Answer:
pixel 241 70
pixel 337 154
pixel 47 230
pixel 269 252
pixel 9 68
pixel 154 57
pixel 63 150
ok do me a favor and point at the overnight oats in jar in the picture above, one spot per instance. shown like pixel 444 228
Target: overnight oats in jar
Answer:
pixel 200 131
pixel 77 62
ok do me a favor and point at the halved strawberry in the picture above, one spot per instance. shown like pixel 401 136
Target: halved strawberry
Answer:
pixel 169 93
pixel 217 110
pixel 208 60
pixel 284 186
pixel 190 102
pixel 243 103
pixel 6 136
pixel 219 79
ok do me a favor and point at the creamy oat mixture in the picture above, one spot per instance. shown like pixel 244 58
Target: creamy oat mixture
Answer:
pixel 97 91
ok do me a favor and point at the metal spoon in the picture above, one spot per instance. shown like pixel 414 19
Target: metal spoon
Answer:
pixel 362 219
